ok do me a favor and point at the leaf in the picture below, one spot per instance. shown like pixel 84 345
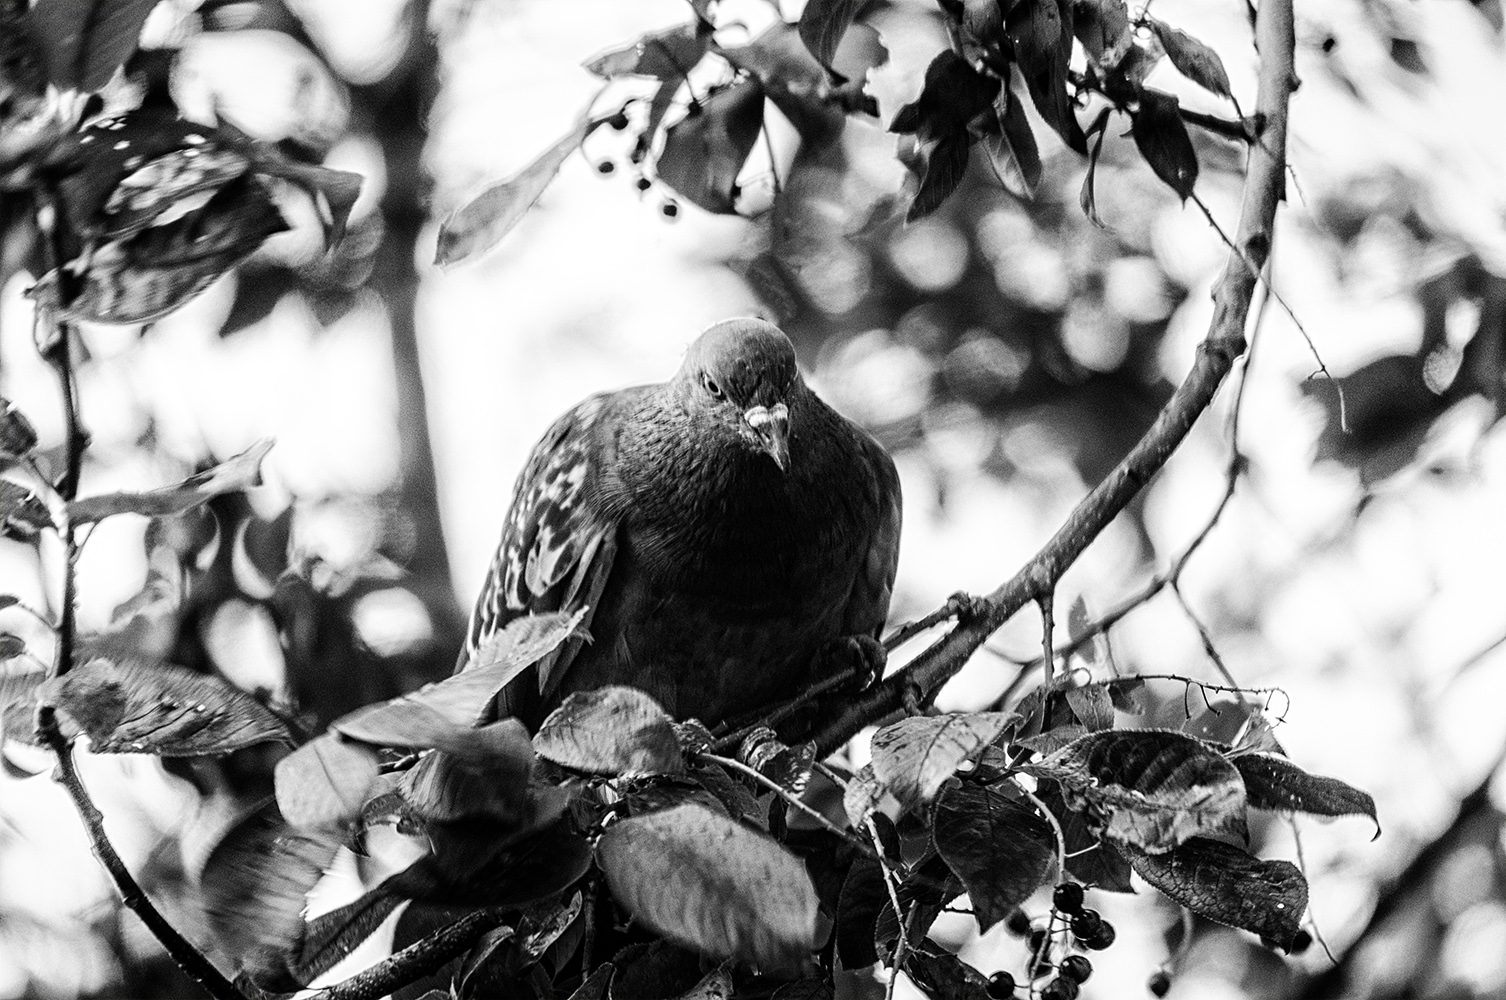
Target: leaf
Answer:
pixel 915 756
pixel 823 24
pixel 788 767
pixel 705 151
pixel 325 782
pixel 1012 150
pixel 1001 850
pixel 862 796
pixel 427 719
pixel 83 42
pixel 328 938
pixel 1162 139
pixel 1194 60
pixel 713 884
pixel 480 223
pixel 1155 789
pixel 1091 704
pixel 444 787
pixel 954 94
pixel 806 989
pixel 1229 886
pixel 22 512
pixel 942 974
pixel 503 656
pixel 799 86
pixel 611 730
pixel 1041 31
pixel 17 436
pixel 1087 199
pixel 1103 27
pixel 929 886
pixel 231 476
pixel 946 165
pixel 596 984
pixel 135 707
pixel 1276 783
pixel 255 885
pixel 863 896
pixel 664 55
pixel 1091 860
pixel 715 985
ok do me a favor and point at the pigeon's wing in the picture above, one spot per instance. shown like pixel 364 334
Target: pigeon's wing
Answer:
pixel 868 601
pixel 558 544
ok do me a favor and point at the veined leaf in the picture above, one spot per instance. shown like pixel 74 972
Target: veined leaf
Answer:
pixel 1001 850
pixel 611 730
pixel 915 756
pixel 1273 782
pixel 1229 886
pixel 235 474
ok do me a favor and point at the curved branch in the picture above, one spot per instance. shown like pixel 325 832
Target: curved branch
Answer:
pixel 1264 188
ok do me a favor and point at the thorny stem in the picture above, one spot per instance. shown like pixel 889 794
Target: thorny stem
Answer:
pixel 1215 357
pixel 189 959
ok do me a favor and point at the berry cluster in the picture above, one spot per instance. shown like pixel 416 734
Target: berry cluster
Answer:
pixel 668 208
pixel 1088 929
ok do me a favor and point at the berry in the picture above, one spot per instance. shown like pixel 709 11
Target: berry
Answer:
pixel 1159 984
pixel 1068 897
pixel 619 121
pixel 1301 941
pixel 1076 968
pixel 605 167
pixel 1018 923
pixel 1060 988
pixel 1101 938
pixel 643 183
pixel 1085 923
pixel 669 210
pixel 1001 986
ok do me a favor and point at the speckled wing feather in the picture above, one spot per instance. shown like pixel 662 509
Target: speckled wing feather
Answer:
pixel 557 548
pixel 868 602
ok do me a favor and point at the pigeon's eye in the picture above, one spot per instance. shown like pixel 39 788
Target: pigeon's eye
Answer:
pixel 711 386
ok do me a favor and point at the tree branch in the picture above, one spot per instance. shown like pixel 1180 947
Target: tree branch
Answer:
pixel 1264 186
pixel 417 960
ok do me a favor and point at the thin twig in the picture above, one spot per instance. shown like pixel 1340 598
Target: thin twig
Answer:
pixel 1302 867
pixel 902 947
pixel 416 960
pixel 1056 827
pixel 1206 637
pixel 792 799
pixel 735 738
pixel 192 961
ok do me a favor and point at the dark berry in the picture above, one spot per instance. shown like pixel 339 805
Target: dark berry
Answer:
pixel 1159 984
pixel 1060 988
pixel 619 121
pixel 1001 986
pixel 1068 897
pixel 643 183
pixel 1018 923
pixel 1301 941
pixel 669 210
pixel 1086 922
pixel 1101 938
pixel 605 167
pixel 1077 968
pixel 1037 939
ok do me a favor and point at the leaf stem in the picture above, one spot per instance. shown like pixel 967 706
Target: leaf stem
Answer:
pixel 792 799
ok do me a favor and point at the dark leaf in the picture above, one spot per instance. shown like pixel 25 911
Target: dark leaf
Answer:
pixel 1127 694
pixel 612 730
pixel 709 882
pixel 792 78
pixel 928 887
pixel 806 989
pixel 654 971
pixel 22 512
pixel 1091 860
pixel 822 26
pixel 17 436
pixel 1078 624
pixel 942 974
pixel 1155 789
pixel 330 937
pixel 1093 706
pixel 715 985
pixel 915 756
pixel 667 55
pixel 596 985
pixel 164 183
pixel 1103 27
pixel 1227 885
pixel 480 223
pixel 1041 31
pixel 1162 139
pixel 445 787
pixel 325 782
pixel 1194 60
pixel 732 794
pixel 954 94
pixel 1087 199
pixel 1000 849
pixel 255 885
pixel 134 707
pixel 83 42
pixel 231 476
pixel 1012 150
pixel 438 716
pixel 1276 783
pixel 946 164
pixel 863 897
pixel 704 152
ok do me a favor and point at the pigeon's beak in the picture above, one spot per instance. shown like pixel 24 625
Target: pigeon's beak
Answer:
pixel 772 425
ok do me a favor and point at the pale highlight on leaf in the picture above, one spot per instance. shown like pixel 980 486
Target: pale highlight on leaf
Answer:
pixel 707 881
pixel 915 756
pixel 233 475
pixel 325 782
pixel 611 730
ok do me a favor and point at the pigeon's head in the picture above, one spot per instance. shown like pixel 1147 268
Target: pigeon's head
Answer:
pixel 741 373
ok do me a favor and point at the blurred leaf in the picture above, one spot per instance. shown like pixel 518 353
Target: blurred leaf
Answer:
pixel 1156 789
pixel 1162 139
pixel 436 716
pixel 504 655
pixel 788 767
pixel 1012 150
pixel 954 94
pixel 805 989
pixel 1127 694
pixel 822 26
pixel 479 960
pixel 791 77
pixel 134 707
pixel 1276 783
pixel 1103 27
pixel 942 974
pixel 913 757
pixel 704 152
pixel 325 782
pixel 231 476
pixel 1001 850
pixel 708 881
pixel 611 730
pixel 19 690
pixel 83 42
pixel 1087 198
pixel 480 224
pixel 1091 704
pixel 1041 31
pixel 17 436
pixel 445 787
pixel 11 646
pixel 1229 886
pixel 664 55
pixel 255 885
pixel 480 864
pixel 1194 60
pixel 328 938
pixel 22 513
pixel 165 183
